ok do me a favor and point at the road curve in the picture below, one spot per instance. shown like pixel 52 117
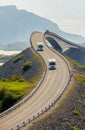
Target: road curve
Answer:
pixel 53 84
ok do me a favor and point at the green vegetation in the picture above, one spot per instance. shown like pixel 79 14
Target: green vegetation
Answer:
pixel 18 58
pixel 6 98
pixel 80 78
pixel 71 62
pixel 12 90
pixel 69 124
pixel 78 66
pixel 2 56
pixel 75 128
pixel 76 112
pixel 26 65
pixel 14 86
pixel 17 78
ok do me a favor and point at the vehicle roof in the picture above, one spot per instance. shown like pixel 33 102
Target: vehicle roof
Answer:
pixel 52 60
pixel 39 43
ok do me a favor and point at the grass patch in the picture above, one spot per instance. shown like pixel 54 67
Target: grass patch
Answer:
pixel 76 112
pixel 26 65
pixel 80 78
pixel 14 86
pixel 18 58
pixel 2 56
pixel 69 124
pixel 78 66
pixel 75 128
pixel 71 62
pixel 8 97
pixel 12 90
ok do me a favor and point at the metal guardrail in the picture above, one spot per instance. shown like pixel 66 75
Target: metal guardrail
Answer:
pixel 30 95
pixel 43 111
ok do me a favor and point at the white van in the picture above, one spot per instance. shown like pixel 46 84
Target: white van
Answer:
pixel 39 46
pixel 52 63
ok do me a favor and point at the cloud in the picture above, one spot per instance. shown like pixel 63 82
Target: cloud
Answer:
pixel 68 22
pixel 75 26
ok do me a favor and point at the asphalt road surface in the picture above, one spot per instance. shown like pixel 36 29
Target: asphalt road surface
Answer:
pixel 54 82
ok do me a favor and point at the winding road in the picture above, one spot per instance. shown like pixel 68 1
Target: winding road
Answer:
pixel 53 84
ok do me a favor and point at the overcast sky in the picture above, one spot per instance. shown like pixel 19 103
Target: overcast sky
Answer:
pixel 68 14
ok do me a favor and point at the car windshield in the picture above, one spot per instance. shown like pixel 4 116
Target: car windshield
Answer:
pixel 52 63
pixel 40 45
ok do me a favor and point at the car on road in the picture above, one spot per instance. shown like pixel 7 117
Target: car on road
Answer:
pixel 52 64
pixel 40 47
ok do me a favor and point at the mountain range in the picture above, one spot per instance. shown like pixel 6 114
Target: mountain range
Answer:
pixel 16 26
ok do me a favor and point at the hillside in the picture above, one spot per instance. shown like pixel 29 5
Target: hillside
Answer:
pixel 10 68
pixel 19 76
pixel 77 54
pixel 17 26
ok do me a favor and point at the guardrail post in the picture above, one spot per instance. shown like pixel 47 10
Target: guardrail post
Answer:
pixel 23 123
pixel 38 114
pixel 33 117
pixel 45 109
pixel 52 104
pixel 29 120
pixel 42 111
pixel 54 101
pixel 49 106
pixel 18 127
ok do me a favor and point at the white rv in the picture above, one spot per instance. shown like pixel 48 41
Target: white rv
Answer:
pixel 39 46
pixel 52 63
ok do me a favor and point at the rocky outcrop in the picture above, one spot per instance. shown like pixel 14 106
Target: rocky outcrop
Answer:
pixel 10 68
